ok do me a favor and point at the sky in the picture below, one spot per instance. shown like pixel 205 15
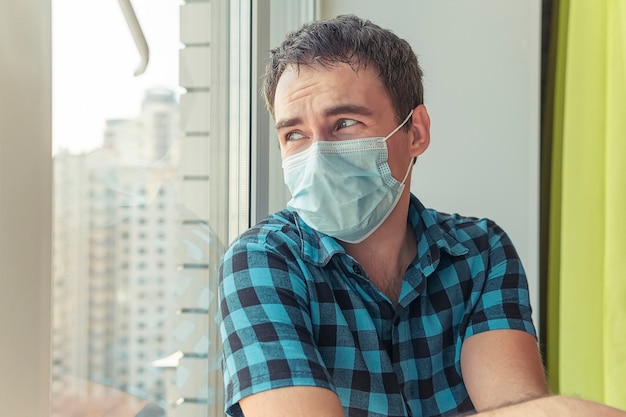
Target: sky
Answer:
pixel 93 63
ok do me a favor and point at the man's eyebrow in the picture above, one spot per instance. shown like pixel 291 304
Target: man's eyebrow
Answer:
pixel 281 124
pixel 332 111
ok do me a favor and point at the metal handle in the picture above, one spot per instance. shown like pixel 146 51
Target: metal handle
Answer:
pixel 138 36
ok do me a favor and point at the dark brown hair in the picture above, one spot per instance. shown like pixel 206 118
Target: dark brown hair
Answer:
pixel 355 41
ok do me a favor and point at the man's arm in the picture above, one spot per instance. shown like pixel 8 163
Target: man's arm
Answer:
pixel 502 367
pixel 292 402
pixel 503 374
pixel 271 363
pixel 556 406
pixel 321 402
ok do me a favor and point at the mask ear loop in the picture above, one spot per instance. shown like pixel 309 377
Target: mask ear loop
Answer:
pixel 411 162
pixel 406 175
pixel 399 126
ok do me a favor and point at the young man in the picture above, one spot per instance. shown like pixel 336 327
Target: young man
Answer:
pixel 356 300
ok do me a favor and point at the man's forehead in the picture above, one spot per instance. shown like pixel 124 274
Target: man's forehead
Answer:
pixel 335 74
pixel 327 91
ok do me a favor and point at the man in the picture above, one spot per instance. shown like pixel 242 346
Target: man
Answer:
pixel 356 300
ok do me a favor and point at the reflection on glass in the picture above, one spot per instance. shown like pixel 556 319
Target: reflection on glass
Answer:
pixel 132 329
pixel 143 214
pixel 115 276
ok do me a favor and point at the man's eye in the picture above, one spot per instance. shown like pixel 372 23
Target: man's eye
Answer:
pixel 343 123
pixel 294 136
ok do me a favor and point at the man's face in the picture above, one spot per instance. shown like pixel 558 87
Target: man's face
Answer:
pixel 338 103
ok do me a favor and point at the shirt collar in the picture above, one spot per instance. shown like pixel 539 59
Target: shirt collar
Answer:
pixel 318 248
pixel 433 237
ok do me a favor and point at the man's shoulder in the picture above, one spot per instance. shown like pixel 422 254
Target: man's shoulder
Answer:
pixel 470 231
pixel 272 244
pixel 283 221
pixel 276 229
pixel 454 222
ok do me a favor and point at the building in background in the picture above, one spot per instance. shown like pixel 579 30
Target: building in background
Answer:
pixel 115 261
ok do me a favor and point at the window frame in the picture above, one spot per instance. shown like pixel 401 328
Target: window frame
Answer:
pixel 25 206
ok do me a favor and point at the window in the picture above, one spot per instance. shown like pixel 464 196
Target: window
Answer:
pixel 110 178
pixel 175 166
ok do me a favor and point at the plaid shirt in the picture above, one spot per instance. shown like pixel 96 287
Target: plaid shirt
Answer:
pixel 297 310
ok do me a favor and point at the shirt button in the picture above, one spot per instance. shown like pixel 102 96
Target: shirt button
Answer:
pixel 357 269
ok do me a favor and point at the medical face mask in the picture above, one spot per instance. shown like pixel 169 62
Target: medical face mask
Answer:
pixel 344 188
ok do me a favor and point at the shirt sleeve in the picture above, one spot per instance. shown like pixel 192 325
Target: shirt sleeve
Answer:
pixel 501 300
pixel 265 323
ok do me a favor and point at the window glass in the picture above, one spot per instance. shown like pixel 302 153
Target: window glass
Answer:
pixel 151 183
pixel 116 150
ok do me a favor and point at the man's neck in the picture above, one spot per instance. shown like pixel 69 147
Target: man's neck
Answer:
pixel 387 253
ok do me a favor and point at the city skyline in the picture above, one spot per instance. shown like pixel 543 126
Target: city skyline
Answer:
pixel 121 301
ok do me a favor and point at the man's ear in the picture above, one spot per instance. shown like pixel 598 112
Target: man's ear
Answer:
pixel 419 130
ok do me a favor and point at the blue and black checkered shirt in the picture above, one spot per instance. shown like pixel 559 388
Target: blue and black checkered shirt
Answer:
pixel 297 310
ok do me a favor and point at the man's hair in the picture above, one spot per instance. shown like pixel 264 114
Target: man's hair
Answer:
pixel 357 42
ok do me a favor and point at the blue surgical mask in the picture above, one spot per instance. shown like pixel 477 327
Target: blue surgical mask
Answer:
pixel 344 188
